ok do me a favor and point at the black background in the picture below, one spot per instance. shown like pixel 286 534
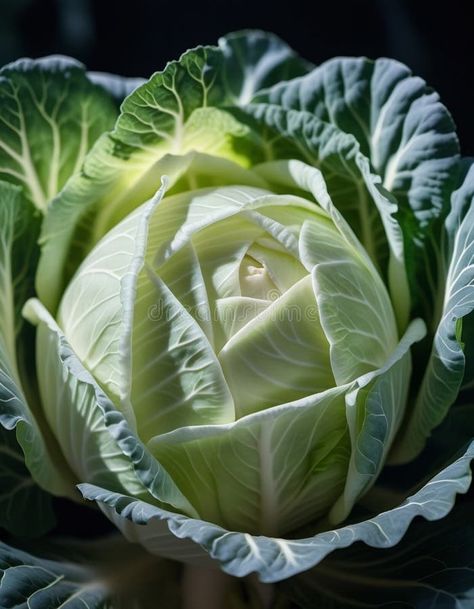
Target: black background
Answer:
pixel 137 37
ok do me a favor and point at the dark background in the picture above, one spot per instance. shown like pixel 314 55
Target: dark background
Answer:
pixel 138 37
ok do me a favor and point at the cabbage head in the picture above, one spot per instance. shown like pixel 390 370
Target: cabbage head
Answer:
pixel 235 313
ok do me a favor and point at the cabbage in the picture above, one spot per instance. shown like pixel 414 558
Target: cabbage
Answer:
pixel 252 297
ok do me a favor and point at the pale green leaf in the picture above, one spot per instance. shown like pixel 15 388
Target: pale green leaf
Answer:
pixel 177 379
pixel 354 306
pixel 268 473
pixel 97 310
pixel 75 407
pixel 280 355
pixel 356 316
pixel 95 437
pixel 375 411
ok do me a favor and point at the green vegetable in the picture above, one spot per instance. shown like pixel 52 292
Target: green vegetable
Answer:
pixel 252 297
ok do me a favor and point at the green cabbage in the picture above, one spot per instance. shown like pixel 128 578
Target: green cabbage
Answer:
pixel 253 297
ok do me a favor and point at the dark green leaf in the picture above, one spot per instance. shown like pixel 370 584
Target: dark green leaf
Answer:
pixel 50 115
pixel 20 421
pixel 407 134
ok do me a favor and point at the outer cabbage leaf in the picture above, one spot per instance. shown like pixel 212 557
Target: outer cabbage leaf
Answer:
pixel 375 409
pixel 433 566
pixel 174 112
pixel 34 582
pixel 76 410
pixel 256 60
pixel 50 115
pixel 275 559
pixel 445 372
pixel 86 575
pixel 407 134
pixel 106 449
pixel 20 419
